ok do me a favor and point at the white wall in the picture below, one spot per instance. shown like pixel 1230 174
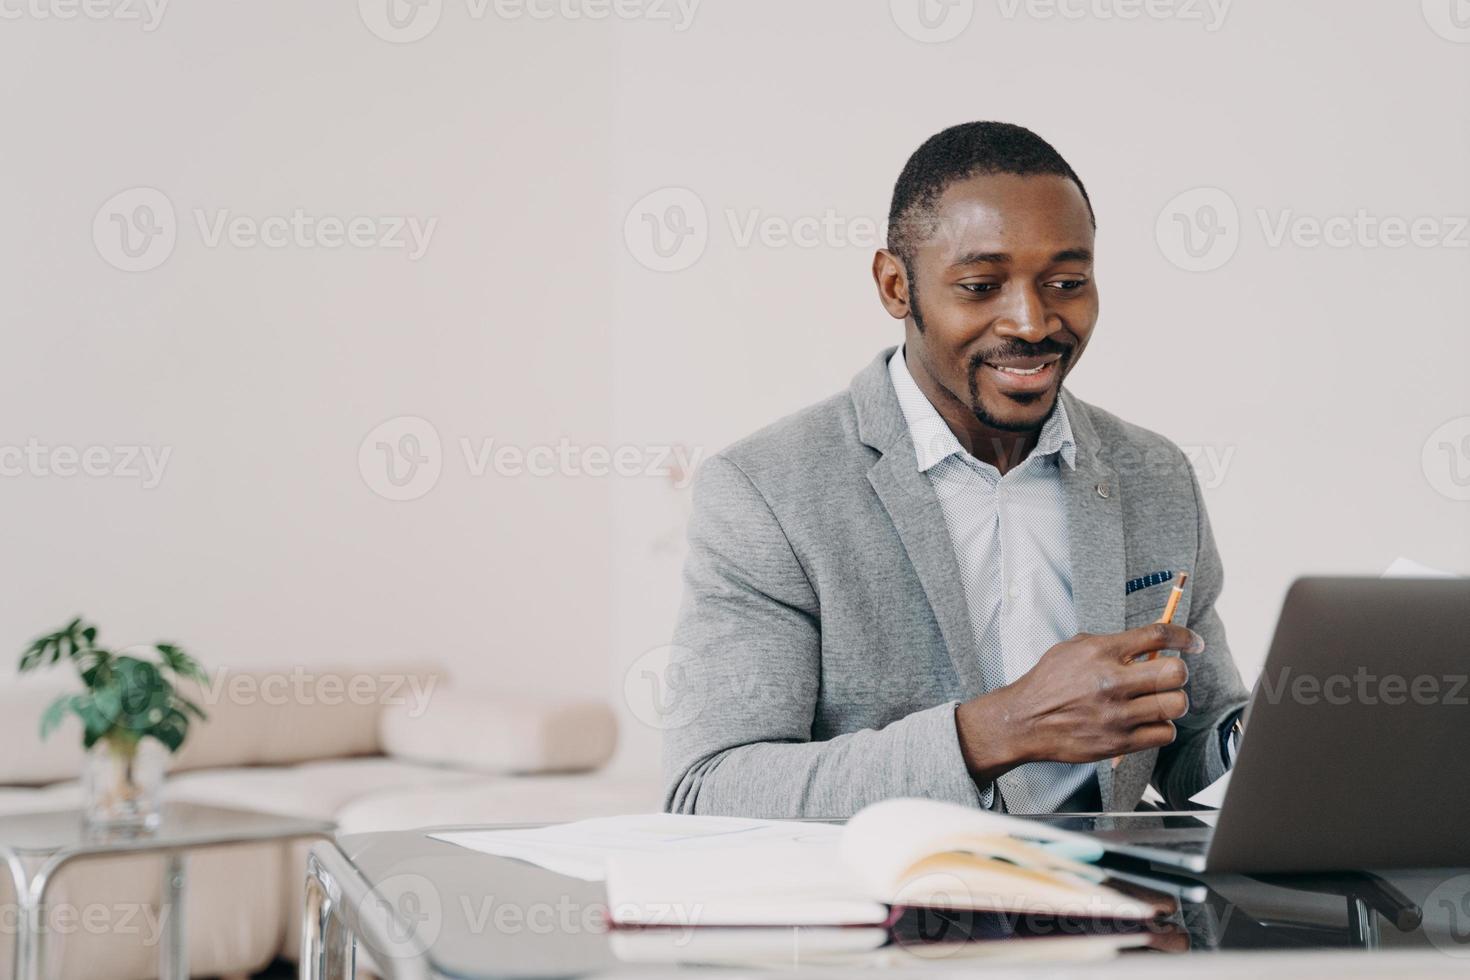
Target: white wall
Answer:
pixel 1318 373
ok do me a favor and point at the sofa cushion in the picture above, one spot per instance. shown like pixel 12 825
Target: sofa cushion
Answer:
pixel 278 717
pixel 312 789
pixel 475 730
pixel 256 718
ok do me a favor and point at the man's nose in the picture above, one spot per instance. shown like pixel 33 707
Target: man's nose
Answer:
pixel 1025 317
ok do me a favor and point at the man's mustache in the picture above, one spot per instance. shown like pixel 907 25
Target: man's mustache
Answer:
pixel 1015 349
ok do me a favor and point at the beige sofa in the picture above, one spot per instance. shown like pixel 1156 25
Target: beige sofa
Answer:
pixel 426 755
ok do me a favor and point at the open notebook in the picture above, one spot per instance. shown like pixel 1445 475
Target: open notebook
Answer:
pixel 894 854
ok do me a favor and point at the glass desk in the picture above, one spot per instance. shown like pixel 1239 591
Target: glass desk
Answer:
pixel 37 845
pixel 418 908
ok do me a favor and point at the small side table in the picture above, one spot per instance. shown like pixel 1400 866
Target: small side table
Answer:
pixel 48 841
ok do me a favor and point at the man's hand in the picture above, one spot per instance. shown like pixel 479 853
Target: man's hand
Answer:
pixel 1087 698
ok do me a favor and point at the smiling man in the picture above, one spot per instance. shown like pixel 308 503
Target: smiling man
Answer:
pixel 940 582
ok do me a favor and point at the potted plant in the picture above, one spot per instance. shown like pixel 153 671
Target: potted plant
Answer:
pixel 130 711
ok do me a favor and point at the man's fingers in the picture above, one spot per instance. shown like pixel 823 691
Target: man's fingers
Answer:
pixel 1155 636
pixel 1161 706
pixel 1152 736
pixel 1148 677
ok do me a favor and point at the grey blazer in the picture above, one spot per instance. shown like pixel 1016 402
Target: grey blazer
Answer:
pixel 824 638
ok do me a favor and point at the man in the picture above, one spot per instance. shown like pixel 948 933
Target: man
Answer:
pixel 938 583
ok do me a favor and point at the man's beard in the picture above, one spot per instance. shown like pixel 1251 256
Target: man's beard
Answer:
pixel 1013 348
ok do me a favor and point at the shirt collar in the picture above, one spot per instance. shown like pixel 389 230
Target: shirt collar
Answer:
pixel 933 440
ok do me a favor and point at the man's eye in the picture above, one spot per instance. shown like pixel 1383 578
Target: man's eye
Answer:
pixel 980 287
pixel 1068 284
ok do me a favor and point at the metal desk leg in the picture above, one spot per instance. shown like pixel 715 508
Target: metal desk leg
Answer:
pixel 327 945
pixel 1362 923
pixel 173 954
pixel 27 919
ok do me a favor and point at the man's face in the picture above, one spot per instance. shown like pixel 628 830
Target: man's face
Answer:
pixel 1001 296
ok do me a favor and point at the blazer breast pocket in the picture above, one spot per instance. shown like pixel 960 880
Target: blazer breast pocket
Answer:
pixel 1147 595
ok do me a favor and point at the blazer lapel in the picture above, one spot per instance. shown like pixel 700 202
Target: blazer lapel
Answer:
pixel 1095 534
pixel 919 519
pixel 917 516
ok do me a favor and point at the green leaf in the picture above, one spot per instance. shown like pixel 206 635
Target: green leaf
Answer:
pixel 94 723
pixel 180 662
pixel 108 702
pixel 55 712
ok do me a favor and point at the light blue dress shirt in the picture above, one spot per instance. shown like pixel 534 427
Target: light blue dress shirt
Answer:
pixel 1010 541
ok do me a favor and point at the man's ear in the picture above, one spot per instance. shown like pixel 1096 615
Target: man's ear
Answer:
pixel 892 279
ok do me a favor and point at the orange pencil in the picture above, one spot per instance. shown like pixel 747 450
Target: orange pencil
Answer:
pixel 1170 608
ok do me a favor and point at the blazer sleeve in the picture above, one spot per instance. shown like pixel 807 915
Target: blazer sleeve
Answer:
pixel 1195 759
pixel 741 689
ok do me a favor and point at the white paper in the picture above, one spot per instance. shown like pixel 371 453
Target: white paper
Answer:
pixel 1409 568
pixel 582 849
pixel 1212 795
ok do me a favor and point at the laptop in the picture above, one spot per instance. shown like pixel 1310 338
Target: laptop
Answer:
pixel 1356 752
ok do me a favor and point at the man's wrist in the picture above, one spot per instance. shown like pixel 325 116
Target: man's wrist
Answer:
pixel 990 747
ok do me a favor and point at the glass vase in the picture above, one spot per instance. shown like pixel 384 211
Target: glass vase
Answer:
pixel 123 784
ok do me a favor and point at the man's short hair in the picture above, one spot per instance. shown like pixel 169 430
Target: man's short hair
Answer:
pixel 968 150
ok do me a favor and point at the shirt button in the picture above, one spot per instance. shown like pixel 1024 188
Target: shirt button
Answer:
pixel 1013 592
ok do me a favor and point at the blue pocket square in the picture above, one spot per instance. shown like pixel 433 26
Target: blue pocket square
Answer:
pixel 1145 581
